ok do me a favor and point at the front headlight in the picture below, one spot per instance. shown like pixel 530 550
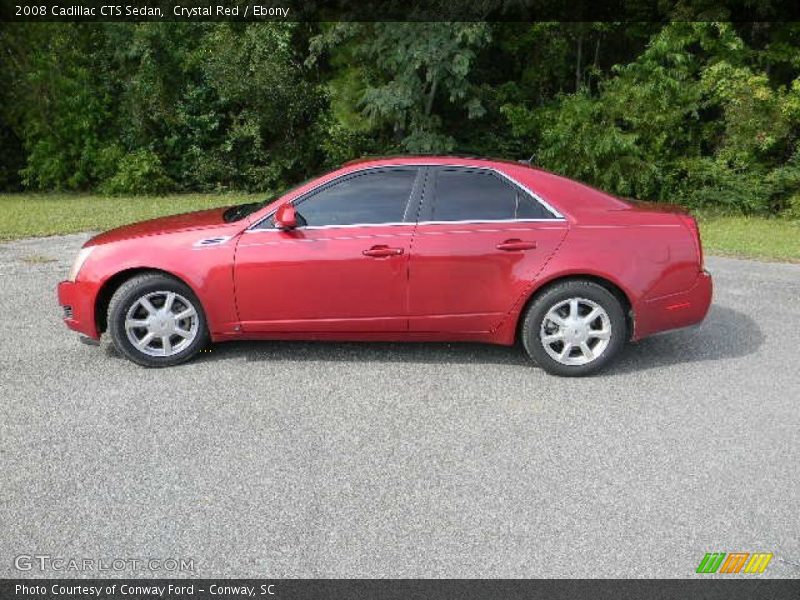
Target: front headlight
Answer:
pixel 79 260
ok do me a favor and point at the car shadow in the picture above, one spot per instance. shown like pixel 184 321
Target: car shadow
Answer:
pixel 725 333
pixel 367 352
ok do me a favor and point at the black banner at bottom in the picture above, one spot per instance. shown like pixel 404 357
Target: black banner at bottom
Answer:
pixel 406 589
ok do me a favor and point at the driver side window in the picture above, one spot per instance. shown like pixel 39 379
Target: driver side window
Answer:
pixel 373 197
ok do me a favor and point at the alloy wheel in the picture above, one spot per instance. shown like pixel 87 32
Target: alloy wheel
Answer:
pixel 161 323
pixel 576 331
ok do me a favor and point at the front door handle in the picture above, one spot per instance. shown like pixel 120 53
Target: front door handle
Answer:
pixel 516 244
pixel 382 252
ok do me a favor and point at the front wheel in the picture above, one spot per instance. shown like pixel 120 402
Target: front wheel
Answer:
pixel 156 321
pixel 574 328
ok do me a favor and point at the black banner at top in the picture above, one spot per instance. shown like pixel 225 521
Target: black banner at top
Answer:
pixel 397 10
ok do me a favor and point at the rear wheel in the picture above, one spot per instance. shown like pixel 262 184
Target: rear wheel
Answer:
pixel 574 328
pixel 156 321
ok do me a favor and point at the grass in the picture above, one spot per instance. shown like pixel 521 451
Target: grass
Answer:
pixel 33 215
pixel 751 237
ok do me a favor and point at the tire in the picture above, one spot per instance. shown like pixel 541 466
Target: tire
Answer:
pixel 139 308
pixel 573 347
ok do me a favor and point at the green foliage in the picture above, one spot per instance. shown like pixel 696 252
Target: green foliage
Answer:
pixel 159 107
pixel 394 75
pixel 706 114
pixel 793 207
pixel 11 159
pixel 688 121
pixel 57 103
pixel 138 173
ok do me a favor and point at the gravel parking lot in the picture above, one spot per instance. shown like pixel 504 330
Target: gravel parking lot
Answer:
pixel 402 460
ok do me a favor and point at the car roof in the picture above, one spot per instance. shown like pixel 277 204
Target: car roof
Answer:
pixel 430 159
pixel 566 195
pixel 433 159
pixel 571 198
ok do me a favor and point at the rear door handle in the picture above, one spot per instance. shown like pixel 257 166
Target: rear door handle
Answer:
pixel 516 244
pixel 382 251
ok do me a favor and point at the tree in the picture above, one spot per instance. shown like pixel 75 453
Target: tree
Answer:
pixel 701 113
pixel 399 75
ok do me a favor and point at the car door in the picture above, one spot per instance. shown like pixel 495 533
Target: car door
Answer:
pixel 480 242
pixel 343 269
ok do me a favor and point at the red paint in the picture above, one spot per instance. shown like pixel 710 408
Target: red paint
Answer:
pixel 427 281
pixel 320 280
pixel 460 280
pixel 285 217
pixel 679 306
pixel 185 222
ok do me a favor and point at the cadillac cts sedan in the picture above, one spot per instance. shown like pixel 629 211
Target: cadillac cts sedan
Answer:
pixel 396 249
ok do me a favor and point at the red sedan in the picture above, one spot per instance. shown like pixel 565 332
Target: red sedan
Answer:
pixel 410 248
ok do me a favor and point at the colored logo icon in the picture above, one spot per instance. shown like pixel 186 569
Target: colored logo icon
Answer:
pixel 735 562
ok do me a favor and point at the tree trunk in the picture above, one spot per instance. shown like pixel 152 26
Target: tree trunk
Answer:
pixel 578 63
pixel 593 76
pixel 399 131
pixel 431 95
pixel 597 49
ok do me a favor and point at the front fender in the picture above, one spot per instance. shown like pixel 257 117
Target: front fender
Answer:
pixel 206 269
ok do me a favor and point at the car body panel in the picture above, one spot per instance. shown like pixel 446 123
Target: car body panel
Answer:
pixel 78 300
pixel 320 279
pixel 644 261
pixel 450 283
pixel 460 280
pixel 207 270
pixel 674 311
pixel 201 219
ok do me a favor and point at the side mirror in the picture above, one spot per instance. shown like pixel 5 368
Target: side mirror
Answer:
pixel 285 217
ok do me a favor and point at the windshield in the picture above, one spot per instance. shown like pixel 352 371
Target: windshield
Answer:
pixel 240 211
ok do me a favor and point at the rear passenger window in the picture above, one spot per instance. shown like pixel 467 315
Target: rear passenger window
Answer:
pixel 464 195
pixel 529 208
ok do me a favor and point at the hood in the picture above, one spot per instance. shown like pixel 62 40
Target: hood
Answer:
pixel 201 219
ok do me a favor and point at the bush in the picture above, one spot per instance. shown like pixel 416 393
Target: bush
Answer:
pixel 688 121
pixel 792 210
pixel 138 173
pixel 702 113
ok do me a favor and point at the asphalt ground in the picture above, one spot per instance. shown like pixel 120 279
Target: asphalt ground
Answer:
pixel 284 459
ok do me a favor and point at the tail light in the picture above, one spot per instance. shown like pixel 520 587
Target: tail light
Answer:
pixel 691 224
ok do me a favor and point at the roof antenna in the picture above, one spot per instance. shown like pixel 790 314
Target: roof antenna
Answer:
pixel 527 162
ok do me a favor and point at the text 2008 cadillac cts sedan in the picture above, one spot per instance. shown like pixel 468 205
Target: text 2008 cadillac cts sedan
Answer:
pixel 410 248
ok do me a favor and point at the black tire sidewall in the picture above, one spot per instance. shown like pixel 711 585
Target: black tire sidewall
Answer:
pixel 558 293
pixel 132 290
